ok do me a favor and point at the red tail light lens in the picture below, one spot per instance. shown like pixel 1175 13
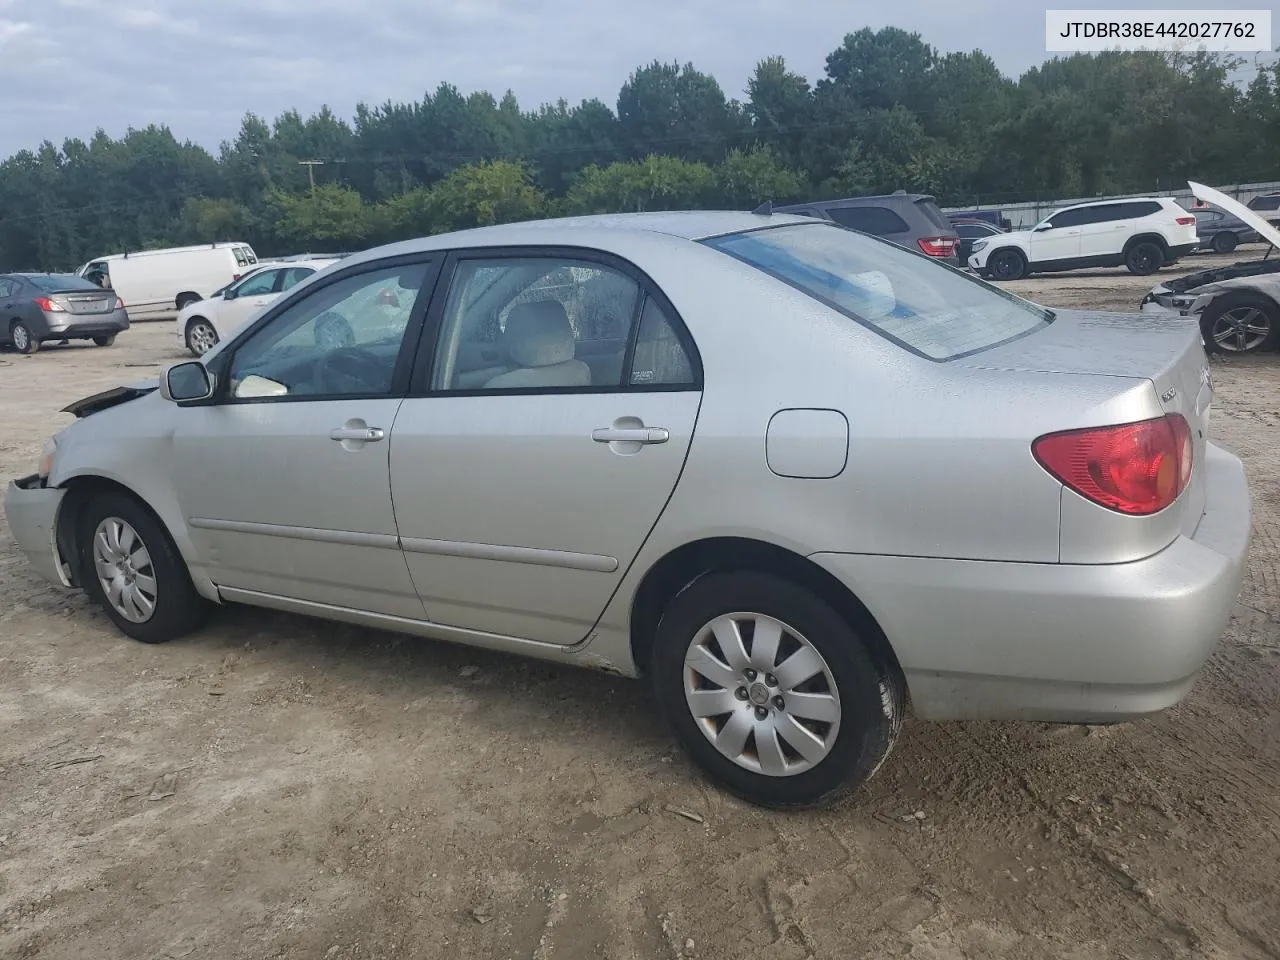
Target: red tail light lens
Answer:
pixel 1132 468
pixel 49 306
pixel 1186 221
pixel 938 246
pixel 119 304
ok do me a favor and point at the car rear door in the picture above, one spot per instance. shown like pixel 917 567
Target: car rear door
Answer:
pixel 1107 227
pixel 547 426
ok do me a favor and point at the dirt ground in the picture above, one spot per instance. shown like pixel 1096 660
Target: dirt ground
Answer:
pixel 280 787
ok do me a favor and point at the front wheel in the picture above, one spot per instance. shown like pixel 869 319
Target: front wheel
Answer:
pixel 1240 323
pixel 132 568
pixel 772 692
pixel 1007 265
pixel 201 336
pixel 104 341
pixel 1144 258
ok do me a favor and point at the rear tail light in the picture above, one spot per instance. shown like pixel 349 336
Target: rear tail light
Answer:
pixel 1186 221
pixel 119 304
pixel 50 306
pixel 1132 468
pixel 938 246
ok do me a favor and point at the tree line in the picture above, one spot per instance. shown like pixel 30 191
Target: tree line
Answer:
pixel 890 112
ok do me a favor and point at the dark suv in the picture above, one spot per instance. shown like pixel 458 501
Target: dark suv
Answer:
pixel 911 220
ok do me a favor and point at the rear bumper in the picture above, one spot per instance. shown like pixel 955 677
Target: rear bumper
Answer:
pixel 1183 249
pixel 32 511
pixel 72 326
pixel 1062 642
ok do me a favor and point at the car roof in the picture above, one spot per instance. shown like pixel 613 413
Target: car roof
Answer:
pixel 1098 203
pixel 592 231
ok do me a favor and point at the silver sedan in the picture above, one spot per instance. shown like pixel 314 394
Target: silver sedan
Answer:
pixel 792 474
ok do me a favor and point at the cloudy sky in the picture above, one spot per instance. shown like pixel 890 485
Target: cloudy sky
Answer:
pixel 68 67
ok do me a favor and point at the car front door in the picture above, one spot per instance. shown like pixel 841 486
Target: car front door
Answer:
pixel 283 478
pixel 541 441
pixel 1058 237
pixel 246 299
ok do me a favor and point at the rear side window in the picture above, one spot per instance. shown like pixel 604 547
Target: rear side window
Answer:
pixel 880 221
pixel 295 275
pixel 1138 208
pixel 1265 203
pixel 929 309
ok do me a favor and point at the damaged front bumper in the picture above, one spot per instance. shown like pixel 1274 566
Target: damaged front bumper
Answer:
pixel 32 511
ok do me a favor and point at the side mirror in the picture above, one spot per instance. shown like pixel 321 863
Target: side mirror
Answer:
pixel 1043 227
pixel 229 293
pixel 187 382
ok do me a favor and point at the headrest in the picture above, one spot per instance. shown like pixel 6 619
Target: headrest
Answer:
pixel 538 334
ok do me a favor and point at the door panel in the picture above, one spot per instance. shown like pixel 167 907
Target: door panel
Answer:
pixel 1060 243
pixel 275 505
pixel 285 482
pixel 1103 234
pixel 514 520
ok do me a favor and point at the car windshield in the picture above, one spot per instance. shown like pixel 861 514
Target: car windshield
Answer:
pixel 59 282
pixel 924 306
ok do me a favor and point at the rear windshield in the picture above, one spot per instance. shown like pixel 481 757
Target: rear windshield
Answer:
pixel 924 306
pixel 930 209
pixel 58 282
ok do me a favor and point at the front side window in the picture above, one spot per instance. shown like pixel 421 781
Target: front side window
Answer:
pixel 1069 218
pixel 258 285
pixel 530 323
pixel 341 340
pixel 926 307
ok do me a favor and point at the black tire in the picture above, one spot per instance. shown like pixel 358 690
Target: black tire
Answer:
pixel 1249 322
pixel 1007 265
pixel 871 694
pixel 104 341
pixel 1144 258
pixel 201 337
pixel 1225 242
pixel 185 300
pixel 178 608
pixel 23 340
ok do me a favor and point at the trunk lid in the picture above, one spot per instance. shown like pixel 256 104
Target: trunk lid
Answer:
pixel 1168 353
pixel 85 301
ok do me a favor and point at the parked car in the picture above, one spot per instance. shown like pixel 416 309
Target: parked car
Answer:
pixel 1221 232
pixel 202 324
pixel 1268 205
pixel 1142 235
pixel 157 284
pixel 970 230
pixel 911 220
pixel 789 472
pixel 1237 306
pixel 39 307
pixel 993 217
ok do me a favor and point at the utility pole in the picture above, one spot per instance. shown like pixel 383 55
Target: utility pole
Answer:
pixel 311 171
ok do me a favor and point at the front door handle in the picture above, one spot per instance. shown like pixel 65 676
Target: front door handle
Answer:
pixel 360 434
pixel 631 435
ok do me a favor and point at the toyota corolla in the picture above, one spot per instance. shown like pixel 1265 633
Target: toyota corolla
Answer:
pixel 796 476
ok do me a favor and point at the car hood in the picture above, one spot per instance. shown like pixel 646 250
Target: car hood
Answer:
pixel 107 399
pixel 1238 210
pixel 1202 278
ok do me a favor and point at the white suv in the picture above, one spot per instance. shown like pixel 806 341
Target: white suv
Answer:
pixel 1143 234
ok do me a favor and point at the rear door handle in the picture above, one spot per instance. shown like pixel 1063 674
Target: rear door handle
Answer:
pixel 631 435
pixel 363 434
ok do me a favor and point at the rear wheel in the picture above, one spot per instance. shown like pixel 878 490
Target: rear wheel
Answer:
pixel 772 692
pixel 1007 265
pixel 201 337
pixel 1240 323
pixel 130 566
pixel 1144 258
pixel 1225 242
pixel 104 341
pixel 22 339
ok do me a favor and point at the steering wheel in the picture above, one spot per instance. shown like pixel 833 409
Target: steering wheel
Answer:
pixel 351 370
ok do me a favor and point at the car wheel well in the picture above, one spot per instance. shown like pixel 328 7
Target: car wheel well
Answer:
pixel 1146 238
pixel 186 298
pixel 999 250
pixel 81 491
pixel 683 566
pixel 196 318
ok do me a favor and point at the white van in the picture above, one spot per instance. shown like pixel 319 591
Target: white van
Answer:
pixel 157 284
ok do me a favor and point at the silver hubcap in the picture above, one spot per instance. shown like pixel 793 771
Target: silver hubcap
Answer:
pixel 762 694
pixel 203 338
pixel 20 338
pixel 1241 329
pixel 124 569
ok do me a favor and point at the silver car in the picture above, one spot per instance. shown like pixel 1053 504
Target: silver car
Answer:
pixel 792 473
